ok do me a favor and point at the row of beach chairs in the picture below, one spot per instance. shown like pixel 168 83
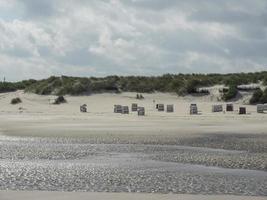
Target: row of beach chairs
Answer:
pixel 218 108
pixel 125 109
pixel 161 108
pixel 141 110
pixel 261 108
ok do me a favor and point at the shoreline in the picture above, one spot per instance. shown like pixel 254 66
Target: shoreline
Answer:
pixel 43 195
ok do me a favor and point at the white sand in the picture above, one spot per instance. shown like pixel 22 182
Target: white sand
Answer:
pixel 40 118
pixel 12 195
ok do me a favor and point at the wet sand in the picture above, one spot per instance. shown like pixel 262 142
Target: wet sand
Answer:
pixel 71 164
pixel 12 195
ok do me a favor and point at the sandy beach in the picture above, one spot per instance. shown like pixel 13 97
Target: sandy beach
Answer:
pixel 46 147
pixel 38 117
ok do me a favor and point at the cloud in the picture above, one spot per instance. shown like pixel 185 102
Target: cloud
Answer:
pixel 38 8
pixel 138 37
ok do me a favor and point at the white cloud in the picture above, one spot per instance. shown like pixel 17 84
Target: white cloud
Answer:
pixel 101 37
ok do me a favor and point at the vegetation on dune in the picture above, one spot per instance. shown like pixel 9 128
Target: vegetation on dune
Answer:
pixel 7 87
pixel 259 96
pixel 231 93
pixel 182 84
pixel 60 100
pixel 16 101
pixel 11 87
pixel 263 98
pixel 256 97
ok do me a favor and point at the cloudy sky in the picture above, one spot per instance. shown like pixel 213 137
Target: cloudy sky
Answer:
pixel 39 38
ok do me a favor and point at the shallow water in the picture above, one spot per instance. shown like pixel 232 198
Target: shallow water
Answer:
pixel 65 164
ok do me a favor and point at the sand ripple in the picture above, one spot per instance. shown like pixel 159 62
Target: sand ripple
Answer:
pixel 57 164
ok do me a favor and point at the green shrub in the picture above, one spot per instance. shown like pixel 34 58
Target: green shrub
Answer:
pixel 181 91
pixel 16 101
pixel 264 81
pixel 259 96
pixel 59 100
pixel 7 87
pixel 46 90
pixel 230 94
pixel 263 98
pixel 191 86
pixel 256 97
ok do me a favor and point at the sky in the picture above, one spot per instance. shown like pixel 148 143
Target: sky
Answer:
pixel 40 38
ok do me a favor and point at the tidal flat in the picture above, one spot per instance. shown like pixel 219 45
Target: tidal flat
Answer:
pixel 179 166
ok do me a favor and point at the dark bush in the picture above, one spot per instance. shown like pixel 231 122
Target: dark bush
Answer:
pixel 16 101
pixel 7 87
pixel 46 90
pixel 139 96
pixel 224 90
pixel 59 100
pixel 191 86
pixel 230 94
pixel 263 98
pixel 181 91
pixel 256 97
pixel 259 96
